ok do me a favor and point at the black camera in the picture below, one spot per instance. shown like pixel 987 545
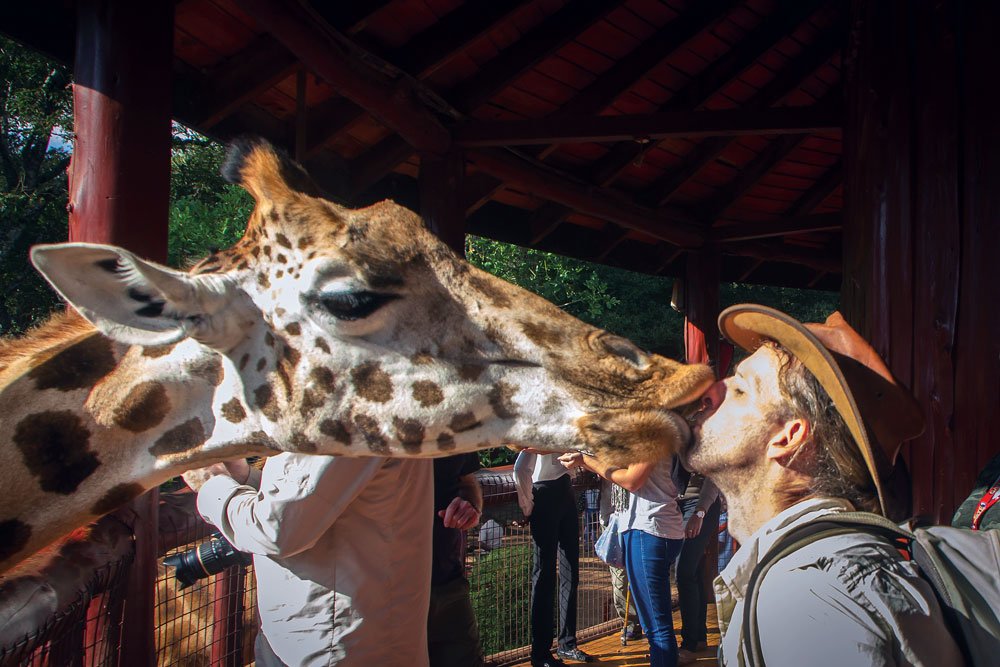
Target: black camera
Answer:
pixel 211 557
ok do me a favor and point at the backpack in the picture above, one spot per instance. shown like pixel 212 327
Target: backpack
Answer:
pixel 962 566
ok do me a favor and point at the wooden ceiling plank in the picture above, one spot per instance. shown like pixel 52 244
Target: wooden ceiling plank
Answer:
pixel 255 69
pixel 432 48
pixel 820 260
pixel 627 71
pixel 548 37
pixel 667 256
pixel 371 167
pixel 748 176
pixel 756 264
pixel 813 57
pixel 327 119
pixel 815 279
pixel 390 101
pixel 611 238
pixel 801 224
pixel 600 203
pixel 823 188
pixel 478 188
pixel 349 17
pixel 588 129
pixel 698 90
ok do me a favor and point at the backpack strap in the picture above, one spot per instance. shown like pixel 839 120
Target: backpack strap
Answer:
pixel 839 523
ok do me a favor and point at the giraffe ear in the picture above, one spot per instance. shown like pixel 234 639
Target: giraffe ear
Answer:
pixel 128 299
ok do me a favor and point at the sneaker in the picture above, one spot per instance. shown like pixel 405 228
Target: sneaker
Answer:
pixel 685 656
pixel 573 654
pixel 633 631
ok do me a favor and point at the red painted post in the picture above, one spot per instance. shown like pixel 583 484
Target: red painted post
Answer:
pixel 441 182
pixel 229 590
pixel 119 185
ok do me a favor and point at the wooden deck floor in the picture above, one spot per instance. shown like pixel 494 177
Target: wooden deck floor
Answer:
pixel 609 650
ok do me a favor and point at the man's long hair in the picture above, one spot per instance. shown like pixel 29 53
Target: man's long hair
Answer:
pixel 836 466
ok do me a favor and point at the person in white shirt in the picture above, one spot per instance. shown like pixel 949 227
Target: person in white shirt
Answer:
pixel 342 555
pixel 545 494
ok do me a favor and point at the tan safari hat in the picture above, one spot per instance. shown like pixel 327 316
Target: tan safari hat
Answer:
pixel 879 412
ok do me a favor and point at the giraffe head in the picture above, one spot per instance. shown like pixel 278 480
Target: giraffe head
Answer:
pixel 358 332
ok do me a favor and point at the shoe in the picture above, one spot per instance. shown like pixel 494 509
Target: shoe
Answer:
pixel 685 656
pixel 633 631
pixel 573 654
pixel 547 662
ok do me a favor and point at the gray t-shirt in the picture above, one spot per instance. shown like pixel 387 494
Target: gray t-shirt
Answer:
pixel 653 507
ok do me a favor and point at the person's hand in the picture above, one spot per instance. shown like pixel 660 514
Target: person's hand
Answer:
pixel 459 514
pixel 693 527
pixel 238 469
pixel 571 460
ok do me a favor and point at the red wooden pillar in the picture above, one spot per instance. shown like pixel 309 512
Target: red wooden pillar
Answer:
pixel 441 179
pixel 119 185
pixel 701 345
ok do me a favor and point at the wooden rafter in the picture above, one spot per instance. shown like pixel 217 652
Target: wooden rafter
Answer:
pixel 697 91
pixel 820 260
pixel 349 17
pixel 546 219
pixel 790 78
pixel 478 188
pixel 803 224
pixel 626 72
pixel 822 189
pixel 369 168
pixel 601 203
pixel 611 238
pixel 645 127
pixel 389 100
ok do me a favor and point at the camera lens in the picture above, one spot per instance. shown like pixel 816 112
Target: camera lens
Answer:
pixel 209 558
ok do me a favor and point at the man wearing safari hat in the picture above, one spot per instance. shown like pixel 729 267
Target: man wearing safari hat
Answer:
pixel 808 426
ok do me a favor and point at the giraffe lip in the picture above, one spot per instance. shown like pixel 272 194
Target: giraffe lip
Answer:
pixel 513 363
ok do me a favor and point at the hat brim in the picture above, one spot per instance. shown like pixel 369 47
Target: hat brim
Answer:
pixel 749 326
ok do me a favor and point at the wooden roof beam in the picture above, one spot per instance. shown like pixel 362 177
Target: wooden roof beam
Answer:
pixel 803 224
pixel 632 68
pixel 822 189
pixel 813 57
pixel 368 169
pixel 600 203
pixel 546 219
pixel 829 262
pixel 698 90
pixel 644 127
pixel 611 238
pixel 255 69
pixel 349 17
pixel 391 101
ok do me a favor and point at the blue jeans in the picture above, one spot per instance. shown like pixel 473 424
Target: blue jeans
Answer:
pixel 647 561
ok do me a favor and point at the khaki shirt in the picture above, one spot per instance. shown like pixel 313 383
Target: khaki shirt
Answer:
pixel 342 556
pixel 844 601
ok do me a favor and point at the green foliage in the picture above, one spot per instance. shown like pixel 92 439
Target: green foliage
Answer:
pixel 498 456
pixel 206 213
pixel 500 582
pixel 35 120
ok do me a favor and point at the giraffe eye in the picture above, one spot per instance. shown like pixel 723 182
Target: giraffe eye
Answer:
pixel 350 306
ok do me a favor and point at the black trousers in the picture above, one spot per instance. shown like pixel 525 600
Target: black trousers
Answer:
pixel 555 531
pixel 691 596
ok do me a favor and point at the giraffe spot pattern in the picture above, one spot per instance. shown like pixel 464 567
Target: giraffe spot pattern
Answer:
pixel 304 242
pixel 14 535
pixel 371 382
pixel 422 359
pixel 269 339
pixel 261 363
pixel 180 438
pixel 321 345
pixel 301 443
pixel 54 445
pixel 264 399
pixel 158 351
pixel 209 369
pixel 311 401
pixel 145 406
pixel 335 429
pixel 116 496
pixel 463 421
pixel 233 411
pixel 75 367
pixel 470 372
pixel 283 240
pixel 294 329
pixel 445 441
pixel 493 291
pixel 325 378
pixel 501 400
pixel 244 360
pixel 410 433
pixel 263 280
pixel 372 434
pixel 541 334
pixel 427 393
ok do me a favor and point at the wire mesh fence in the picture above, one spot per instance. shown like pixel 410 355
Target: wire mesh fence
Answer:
pixel 212 622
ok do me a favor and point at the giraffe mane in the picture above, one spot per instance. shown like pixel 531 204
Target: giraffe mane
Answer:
pixel 61 327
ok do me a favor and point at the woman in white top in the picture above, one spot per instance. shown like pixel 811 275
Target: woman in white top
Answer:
pixel 653 532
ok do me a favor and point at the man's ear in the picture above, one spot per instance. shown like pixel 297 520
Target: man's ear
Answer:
pixel 788 441
pixel 128 299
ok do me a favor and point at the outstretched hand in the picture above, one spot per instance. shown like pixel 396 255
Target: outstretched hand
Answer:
pixel 238 469
pixel 459 514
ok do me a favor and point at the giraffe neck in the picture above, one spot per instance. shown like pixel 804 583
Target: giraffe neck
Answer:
pixel 87 424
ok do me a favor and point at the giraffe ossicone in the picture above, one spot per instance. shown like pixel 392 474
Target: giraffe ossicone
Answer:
pixel 323 330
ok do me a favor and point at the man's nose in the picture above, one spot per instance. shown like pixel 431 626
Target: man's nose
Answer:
pixel 712 399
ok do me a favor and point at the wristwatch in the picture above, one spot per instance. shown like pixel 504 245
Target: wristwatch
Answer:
pixel 700 514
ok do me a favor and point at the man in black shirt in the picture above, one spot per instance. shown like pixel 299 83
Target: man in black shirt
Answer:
pixel 452 631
